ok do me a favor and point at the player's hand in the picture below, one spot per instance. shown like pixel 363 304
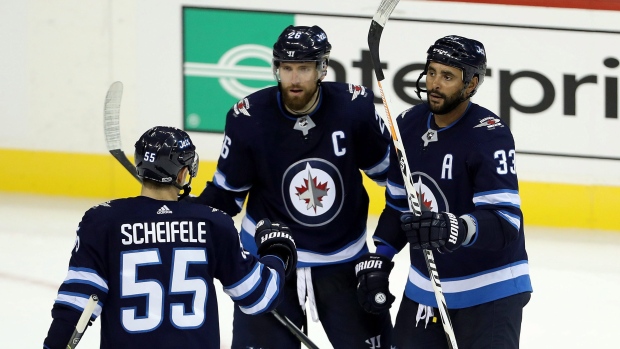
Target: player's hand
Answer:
pixel 275 239
pixel 441 230
pixel 373 291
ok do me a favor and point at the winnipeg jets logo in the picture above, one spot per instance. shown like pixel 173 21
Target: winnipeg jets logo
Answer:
pixel 490 123
pixel 357 90
pixel 430 195
pixel 312 190
pixel 242 107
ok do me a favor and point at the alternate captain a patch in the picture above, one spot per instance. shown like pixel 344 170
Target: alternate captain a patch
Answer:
pixel 313 192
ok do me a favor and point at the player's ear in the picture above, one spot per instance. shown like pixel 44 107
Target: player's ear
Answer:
pixel 182 175
pixel 472 85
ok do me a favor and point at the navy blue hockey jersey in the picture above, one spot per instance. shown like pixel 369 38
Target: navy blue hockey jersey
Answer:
pixel 153 263
pixel 467 167
pixel 304 172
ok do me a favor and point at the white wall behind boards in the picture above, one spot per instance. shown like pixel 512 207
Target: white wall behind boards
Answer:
pixel 554 71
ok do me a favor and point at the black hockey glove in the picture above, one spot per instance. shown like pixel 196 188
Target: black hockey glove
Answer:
pixel 275 239
pixel 373 291
pixel 441 230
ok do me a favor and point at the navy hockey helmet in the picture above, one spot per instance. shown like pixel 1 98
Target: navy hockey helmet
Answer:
pixel 460 52
pixel 161 152
pixel 302 44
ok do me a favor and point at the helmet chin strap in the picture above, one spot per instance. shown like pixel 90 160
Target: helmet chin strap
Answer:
pixel 187 188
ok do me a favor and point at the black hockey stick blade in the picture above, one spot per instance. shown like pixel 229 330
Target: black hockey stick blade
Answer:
pixel 83 321
pixel 296 331
pixel 111 125
pixel 374 34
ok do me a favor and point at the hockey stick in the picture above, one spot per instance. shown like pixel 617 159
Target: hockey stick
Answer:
pixel 111 125
pixel 112 129
pixel 294 330
pixel 83 321
pixel 374 36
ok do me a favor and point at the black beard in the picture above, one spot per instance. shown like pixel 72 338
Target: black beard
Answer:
pixel 297 103
pixel 449 104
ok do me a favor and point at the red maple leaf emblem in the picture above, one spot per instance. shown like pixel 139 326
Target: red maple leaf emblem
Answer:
pixel 426 203
pixel 312 193
pixel 304 188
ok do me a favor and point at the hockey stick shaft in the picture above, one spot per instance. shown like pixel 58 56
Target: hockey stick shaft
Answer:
pixel 83 321
pixel 111 117
pixel 296 331
pixel 374 36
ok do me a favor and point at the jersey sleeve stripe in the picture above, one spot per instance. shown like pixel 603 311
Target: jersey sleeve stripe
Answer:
pixel 513 219
pixel 270 294
pixel 77 301
pixel 240 202
pixel 380 168
pixel 396 191
pixel 498 197
pixel 247 285
pixel 86 276
pixel 219 179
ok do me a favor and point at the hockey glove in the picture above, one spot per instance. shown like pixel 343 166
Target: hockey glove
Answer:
pixel 441 230
pixel 275 239
pixel 373 291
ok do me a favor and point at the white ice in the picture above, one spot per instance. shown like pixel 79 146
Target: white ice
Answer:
pixel 575 274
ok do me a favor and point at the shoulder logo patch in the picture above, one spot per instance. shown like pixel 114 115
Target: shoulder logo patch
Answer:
pixel 490 123
pixel 357 90
pixel 242 107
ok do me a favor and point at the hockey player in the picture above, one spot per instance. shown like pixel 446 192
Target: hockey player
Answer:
pixel 152 260
pixel 296 150
pixel 462 159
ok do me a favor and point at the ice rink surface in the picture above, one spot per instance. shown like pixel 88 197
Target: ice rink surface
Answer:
pixel 575 275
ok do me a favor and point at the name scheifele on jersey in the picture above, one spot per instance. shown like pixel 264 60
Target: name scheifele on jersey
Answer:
pixel 162 232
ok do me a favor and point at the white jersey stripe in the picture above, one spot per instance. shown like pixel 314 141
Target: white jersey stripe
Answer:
pixel 247 285
pixel 396 192
pixel 77 301
pixel 220 180
pixel 514 220
pixel 86 277
pixel 380 167
pixel 499 197
pixel 270 294
pixel 470 283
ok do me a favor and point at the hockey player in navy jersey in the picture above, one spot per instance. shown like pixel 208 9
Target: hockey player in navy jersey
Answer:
pixel 152 260
pixel 297 151
pixel 462 159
